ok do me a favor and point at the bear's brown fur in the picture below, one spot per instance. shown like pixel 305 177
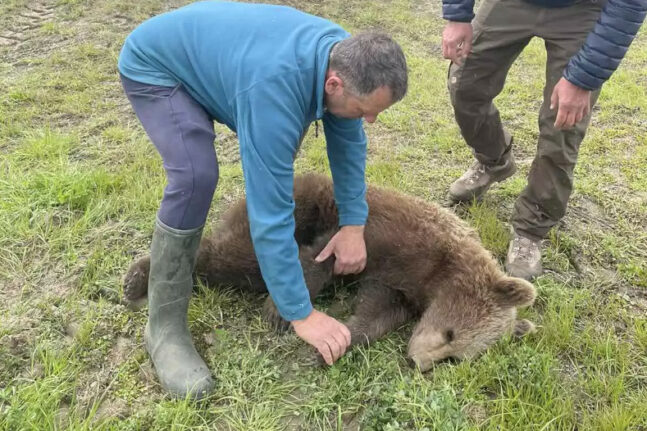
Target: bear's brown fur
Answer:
pixel 423 263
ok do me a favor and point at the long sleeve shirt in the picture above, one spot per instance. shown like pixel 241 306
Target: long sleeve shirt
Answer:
pixel 260 70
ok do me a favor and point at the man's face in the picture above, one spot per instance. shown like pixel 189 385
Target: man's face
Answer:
pixel 342 104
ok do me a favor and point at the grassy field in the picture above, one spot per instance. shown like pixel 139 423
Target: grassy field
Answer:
pixel 80 184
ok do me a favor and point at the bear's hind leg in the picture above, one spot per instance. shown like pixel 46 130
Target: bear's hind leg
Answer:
pixel 228 258
pixel 136 281
pixel 224 258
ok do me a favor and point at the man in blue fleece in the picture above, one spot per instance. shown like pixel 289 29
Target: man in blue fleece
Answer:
pixel 266 72
pixel 585 41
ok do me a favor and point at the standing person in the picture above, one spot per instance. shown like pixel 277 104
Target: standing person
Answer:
pixel 266 72
pixel 585 41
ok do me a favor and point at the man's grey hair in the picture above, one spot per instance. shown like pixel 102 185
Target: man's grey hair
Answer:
pixel 368 61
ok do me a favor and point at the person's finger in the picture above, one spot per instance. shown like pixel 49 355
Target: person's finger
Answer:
pixel 362 265
pixel 325 253
pixel 458 59
pixel 564 123
pixel 467 46
pixel 579 116
pixel 451 51
pixel 554 100
pixel 561 117
pixel 444 49
pixel 346 334
pixel 335 348
pixel 587 109
pixel 324 351
pixel 570 120
pixel 353 267
pixel 340 340
pixel 339 267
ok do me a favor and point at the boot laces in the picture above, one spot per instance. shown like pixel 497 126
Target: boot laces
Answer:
pixel 523 248
pixel 476 171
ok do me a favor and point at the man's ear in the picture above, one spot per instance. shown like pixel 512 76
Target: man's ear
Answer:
pixel 334 83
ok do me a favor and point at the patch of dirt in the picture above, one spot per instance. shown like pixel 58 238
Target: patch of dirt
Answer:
pixel 91 387
pixel 293 423
pixel 147 373
pixel 582 210
pixel 12 291
pixel 71 330
pixel 15 343
pixel 351 421
pixel 61 419
pixel 121 351
pixel 636 300
pixel 16 346
pixel 120 22
pixel 25 24
pixel 113 408
pixel 476 413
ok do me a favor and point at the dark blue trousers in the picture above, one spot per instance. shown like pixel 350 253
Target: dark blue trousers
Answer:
pixel 182 131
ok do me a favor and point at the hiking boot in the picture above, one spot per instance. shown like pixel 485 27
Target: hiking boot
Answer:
pixel 524 258
pixel 180 369
pixel 479 177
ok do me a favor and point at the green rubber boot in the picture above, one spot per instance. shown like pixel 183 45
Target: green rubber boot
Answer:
pixel 180 369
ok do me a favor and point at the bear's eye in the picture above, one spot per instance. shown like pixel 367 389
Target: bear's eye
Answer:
pixel 449 335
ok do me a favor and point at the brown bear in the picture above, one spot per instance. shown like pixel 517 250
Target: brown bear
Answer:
pixel 423 263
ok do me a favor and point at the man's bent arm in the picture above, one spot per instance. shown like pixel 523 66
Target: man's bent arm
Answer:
pixel 346 147
pixel 607 44
pixel 269 126
pixel 458 10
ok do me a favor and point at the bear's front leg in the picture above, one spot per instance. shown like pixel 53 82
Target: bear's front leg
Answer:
pixel 316 275
pixel 379 310
pixel 272 317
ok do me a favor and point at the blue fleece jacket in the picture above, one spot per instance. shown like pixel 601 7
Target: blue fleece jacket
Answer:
pixel 604 47
pixel 260 69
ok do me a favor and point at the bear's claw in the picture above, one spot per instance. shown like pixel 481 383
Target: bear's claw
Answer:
pixel 272 316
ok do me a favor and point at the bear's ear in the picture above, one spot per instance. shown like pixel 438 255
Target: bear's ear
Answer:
pixel 523 327
pixel 514 292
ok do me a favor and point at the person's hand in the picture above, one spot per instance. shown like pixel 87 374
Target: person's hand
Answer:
pixel 457 41
pixel 329 336
pixel 349 249
pixel 572 102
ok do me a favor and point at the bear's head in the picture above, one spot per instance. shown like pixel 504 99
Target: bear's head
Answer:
pixel 462 323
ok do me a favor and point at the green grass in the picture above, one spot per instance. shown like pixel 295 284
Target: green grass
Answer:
pixel 80 184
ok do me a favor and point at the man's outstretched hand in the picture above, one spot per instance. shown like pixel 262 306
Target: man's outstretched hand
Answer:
pixel 329 336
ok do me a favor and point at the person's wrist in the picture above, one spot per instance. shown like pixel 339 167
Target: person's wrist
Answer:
pixel 299 322
pixel 454 22
pixel 353 228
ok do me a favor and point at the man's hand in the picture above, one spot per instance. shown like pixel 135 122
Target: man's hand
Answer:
pixel 457 41
pixel 329 336
pixel 572 102
pixel 349 249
